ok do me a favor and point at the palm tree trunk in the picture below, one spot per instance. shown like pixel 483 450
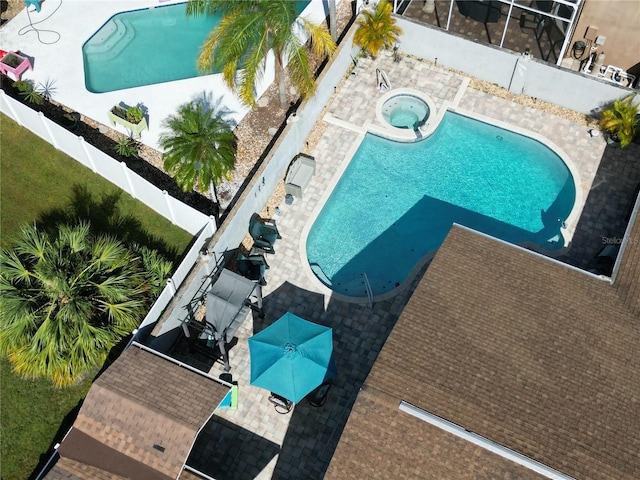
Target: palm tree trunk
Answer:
pixel 333 27
pixel 280 79
pixel 214 194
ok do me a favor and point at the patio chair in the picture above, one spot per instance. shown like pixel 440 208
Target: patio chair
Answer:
pixel 252 267
pixel 264 234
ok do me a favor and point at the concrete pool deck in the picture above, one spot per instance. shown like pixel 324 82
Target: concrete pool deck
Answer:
pixel 264 444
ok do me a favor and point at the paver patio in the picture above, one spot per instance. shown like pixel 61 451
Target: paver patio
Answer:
pixel 258 442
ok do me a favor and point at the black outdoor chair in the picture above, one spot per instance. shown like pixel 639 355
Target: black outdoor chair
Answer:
pixel 252 267
pixel 264 233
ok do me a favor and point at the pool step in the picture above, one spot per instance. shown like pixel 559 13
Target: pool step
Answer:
pixel 110 40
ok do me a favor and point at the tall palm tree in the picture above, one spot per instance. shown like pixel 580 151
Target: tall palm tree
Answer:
pixel 199 148
pixel 377 29
pixel 238 46
pixel 66 299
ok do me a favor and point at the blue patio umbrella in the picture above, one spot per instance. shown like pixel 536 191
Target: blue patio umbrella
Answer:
pixel 292 357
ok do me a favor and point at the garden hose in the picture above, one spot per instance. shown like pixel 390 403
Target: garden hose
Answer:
pixel 31 28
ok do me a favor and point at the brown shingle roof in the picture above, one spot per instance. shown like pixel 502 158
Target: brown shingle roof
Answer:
pixel 627 281
pixel 141 416
pixel 381 442
pixel 529 353
pixel 67 469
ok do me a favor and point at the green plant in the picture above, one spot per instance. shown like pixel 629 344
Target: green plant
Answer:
pixel 248 31
pixel 28 91
pixel 621 121
pixel 133 115
pixel 12 60
pixel 377 29
pixel 199 148
pixel 68 298
pixel 127 147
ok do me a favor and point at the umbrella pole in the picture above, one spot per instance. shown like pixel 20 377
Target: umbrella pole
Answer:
pixel 225 355
pixel 259 300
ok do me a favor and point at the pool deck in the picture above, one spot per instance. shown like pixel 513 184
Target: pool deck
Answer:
pixel 266 444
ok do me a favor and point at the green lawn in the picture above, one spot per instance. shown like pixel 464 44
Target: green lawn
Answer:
pixel 39 183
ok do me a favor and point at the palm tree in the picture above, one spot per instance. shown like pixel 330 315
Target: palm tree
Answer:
pixel 66 299
pixel 199 149
pixel 377 29
pixel 238 46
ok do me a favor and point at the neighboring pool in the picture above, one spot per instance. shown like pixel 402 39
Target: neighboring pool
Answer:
pixel 396 202
pixel 144 47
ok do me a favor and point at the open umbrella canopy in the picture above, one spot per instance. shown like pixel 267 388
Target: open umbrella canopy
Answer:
pixel 292 357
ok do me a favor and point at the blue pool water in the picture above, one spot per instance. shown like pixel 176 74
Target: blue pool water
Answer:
pixel 396 202
pixel 144 47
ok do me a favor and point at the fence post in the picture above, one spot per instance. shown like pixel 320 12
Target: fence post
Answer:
pixel 125 169
pixel 90 161
pixel 167 198
pixel 47 127
pixel 14 114
pixel 213 224
pixel 172 287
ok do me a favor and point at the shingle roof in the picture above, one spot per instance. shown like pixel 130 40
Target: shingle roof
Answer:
pixel 141 417
pixel 533 355
pixel 67 469
pixel 627 280
pixel 381 442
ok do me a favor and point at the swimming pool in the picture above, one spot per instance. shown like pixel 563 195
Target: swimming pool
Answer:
pixel 145 47
pixel 396 202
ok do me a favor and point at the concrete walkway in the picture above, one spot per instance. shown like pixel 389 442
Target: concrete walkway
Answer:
pixel 255 441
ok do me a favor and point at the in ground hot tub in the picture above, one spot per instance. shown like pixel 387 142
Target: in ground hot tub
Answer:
pixel 405 111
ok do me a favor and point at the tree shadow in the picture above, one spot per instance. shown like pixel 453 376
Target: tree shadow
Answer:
pixel 105 216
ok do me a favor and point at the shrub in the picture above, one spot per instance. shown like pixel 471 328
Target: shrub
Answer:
pixel 127 147
pixel 28 91
pixel 133 115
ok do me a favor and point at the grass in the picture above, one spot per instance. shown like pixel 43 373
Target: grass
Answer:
pixel 40 183
pixel 34 414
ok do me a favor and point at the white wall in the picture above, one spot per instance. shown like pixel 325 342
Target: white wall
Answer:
pixel 541 80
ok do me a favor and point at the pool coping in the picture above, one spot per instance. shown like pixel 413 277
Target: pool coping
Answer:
pixel 389 132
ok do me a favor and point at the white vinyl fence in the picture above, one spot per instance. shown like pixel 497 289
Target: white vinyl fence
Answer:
pixel 116 172
pixel 119 174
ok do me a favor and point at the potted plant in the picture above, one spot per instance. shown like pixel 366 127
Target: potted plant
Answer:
pixel 14 63
pixel 621 121
pixel 70 121
pixel 131 118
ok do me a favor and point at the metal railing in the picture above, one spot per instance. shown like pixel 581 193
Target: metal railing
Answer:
pixel 367 287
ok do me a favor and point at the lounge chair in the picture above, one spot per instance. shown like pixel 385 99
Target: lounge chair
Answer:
pixel 253 267
pixel 264 234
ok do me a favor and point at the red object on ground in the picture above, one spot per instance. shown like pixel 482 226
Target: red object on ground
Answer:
pixel 3 53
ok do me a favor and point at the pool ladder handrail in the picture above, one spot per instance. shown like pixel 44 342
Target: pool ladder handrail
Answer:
pixel 367 287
